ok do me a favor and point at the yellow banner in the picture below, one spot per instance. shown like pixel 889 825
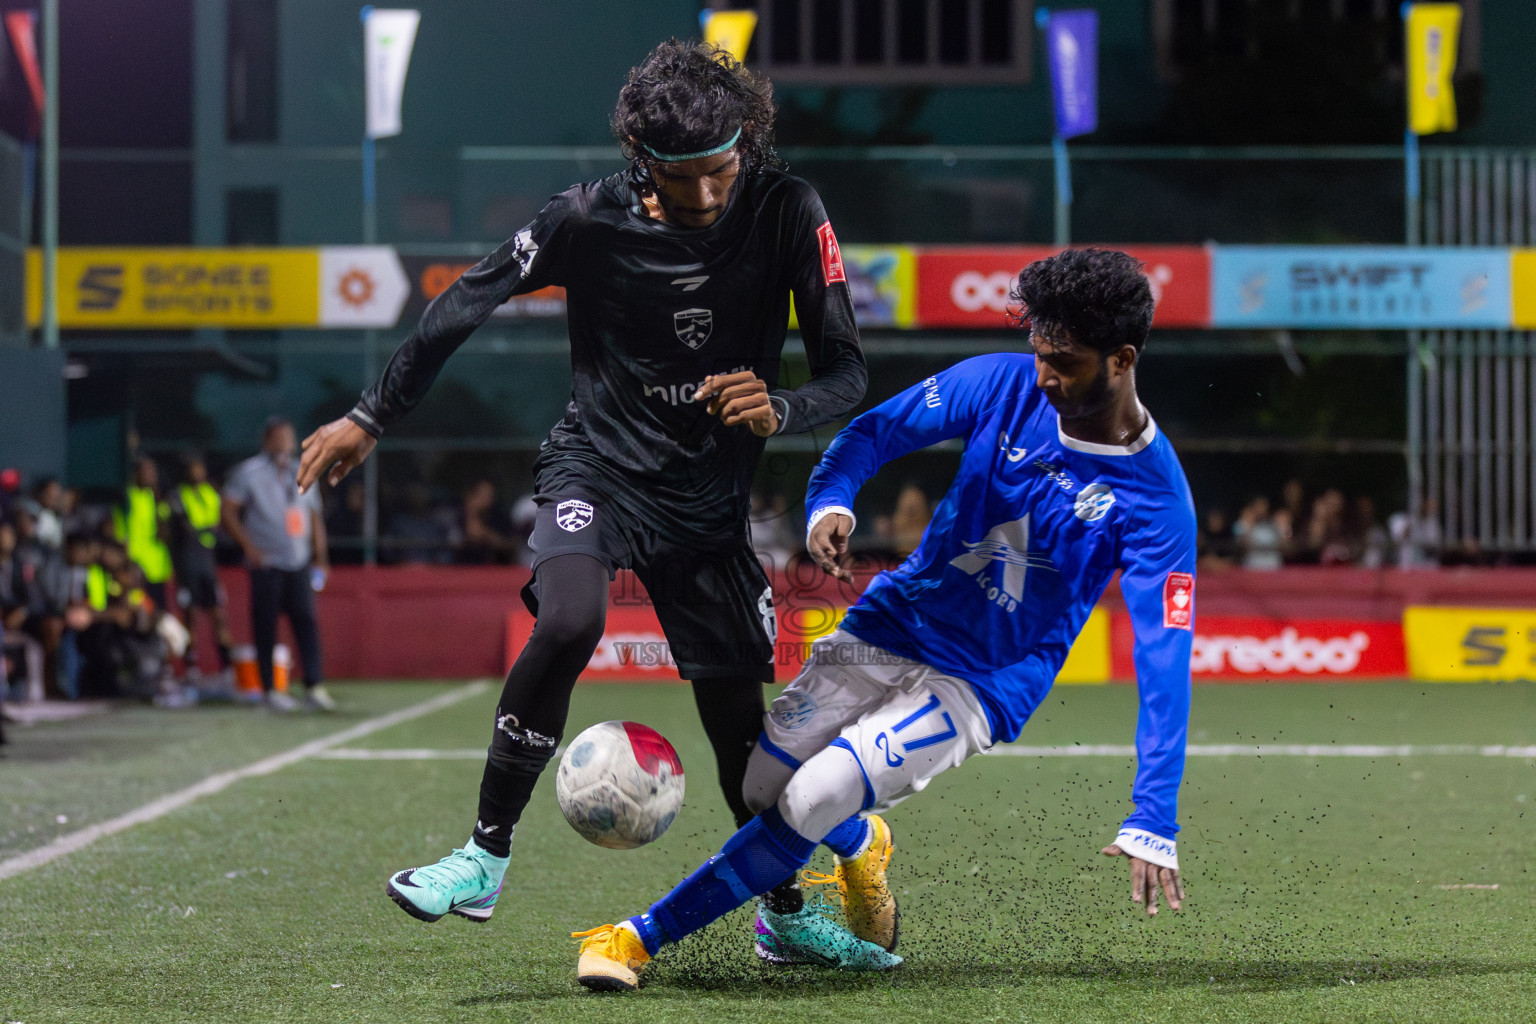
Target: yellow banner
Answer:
pixel 1522 276
pixel 1432 35
pixel 883 280
pixel 180 288
pixel 1088 661
pixel 731 31
pixel 1470 645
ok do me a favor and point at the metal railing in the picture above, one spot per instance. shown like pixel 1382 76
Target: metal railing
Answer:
pixel 1471 419
pixel 15 217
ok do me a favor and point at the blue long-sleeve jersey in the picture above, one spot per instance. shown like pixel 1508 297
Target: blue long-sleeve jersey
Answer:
pixel 1020 549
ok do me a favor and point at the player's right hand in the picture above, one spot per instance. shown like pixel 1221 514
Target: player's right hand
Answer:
pixel 1147 878
pixel 335 450
pixel 828 543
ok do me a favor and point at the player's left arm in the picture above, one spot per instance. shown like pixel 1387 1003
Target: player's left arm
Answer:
pixel 824 306
pixel 1158 582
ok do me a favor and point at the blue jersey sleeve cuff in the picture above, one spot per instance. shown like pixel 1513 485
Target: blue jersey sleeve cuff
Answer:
pixel 1148 846
pixel 826 510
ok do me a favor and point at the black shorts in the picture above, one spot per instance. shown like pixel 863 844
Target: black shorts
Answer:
pixel 197 586
pixel 710 594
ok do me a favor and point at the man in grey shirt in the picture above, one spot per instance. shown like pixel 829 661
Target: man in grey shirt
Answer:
pixel 283 536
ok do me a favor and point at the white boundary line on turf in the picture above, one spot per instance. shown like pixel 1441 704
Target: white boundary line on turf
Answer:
pixel 1275 750
pixel 73 841
pixel 401 754
pixel 1016 750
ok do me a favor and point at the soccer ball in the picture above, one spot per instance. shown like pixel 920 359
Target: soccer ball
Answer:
pixel 620 784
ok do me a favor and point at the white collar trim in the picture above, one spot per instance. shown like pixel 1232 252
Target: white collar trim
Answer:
pixel 1088 447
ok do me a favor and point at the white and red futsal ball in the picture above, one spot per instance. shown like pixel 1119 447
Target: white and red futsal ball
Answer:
pixel 620 784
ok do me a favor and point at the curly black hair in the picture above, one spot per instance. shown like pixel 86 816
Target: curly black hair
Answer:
pixel 690 96
pixel 1098 297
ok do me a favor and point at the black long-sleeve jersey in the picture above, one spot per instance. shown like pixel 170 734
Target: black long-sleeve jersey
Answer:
pixel 653 309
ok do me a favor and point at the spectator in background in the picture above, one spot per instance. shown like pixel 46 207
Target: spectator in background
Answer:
pixel 1293 501
pixel 1328 540
pixel 118 630
pixel 10 488
pixel 142 525
pixel 1259 538
pixel 43 588
pixel 24 652
pixel 482 535
pixel 77 516
pixel 1367 536
pixel 344 519
pixel 1216 543
pixel 46 505
pixel 283 536
pixel 195 515
pixel 774 537
pixel 909 519
pixel 419 532
pixel 524 514
pixel 1418 539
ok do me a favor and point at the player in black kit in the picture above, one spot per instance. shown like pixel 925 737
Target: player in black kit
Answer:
pixel 678 274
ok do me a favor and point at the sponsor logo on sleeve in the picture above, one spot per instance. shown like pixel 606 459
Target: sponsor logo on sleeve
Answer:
pixel 1178 601
pixel 524 250
pixel 831 256
pixel 931 397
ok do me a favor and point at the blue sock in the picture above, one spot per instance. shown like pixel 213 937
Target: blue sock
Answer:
pixel 761 854
pixel 849 837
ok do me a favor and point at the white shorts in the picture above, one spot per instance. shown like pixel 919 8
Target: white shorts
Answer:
pixel 904 721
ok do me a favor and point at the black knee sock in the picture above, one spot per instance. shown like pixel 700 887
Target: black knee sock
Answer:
pixel 512 767
pixel 572 595
pixel 731 710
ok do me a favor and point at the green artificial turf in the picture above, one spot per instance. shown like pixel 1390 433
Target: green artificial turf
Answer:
pixel 1315 884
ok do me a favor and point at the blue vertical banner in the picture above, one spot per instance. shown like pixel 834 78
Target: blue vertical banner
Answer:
pixel 1072 42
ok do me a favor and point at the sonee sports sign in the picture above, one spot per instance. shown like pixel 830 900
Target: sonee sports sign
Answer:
pixel 1471 645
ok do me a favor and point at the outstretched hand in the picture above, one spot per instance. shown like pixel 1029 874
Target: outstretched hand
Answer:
pixel 334 451
pixel 1147 878
pixel 828 543
pixel 740 398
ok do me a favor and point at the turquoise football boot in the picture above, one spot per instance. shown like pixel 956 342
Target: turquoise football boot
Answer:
pixel 466 882
pixel 810 938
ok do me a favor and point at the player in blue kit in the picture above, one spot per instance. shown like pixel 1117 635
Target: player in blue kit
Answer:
pixel 1065 480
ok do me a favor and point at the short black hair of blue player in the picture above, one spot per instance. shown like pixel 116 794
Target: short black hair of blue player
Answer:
pixel 689 97
pixel 1099 298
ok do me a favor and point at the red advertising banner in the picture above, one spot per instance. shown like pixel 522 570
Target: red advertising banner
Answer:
pixel 1279 650
pixel 968 287
pixel 806 603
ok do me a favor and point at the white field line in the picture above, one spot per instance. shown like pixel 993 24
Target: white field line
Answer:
pixel 73 841
pixel 1017 750
pixel 1275 750
pixel 402 754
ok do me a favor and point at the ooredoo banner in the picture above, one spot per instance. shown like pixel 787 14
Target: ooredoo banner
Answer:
pixel 968 287
pixel 1277 650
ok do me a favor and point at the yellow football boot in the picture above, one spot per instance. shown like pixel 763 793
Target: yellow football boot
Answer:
pixel 612 957
pixel 868 906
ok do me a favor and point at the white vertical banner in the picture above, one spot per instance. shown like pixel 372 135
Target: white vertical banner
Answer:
pixel 388 36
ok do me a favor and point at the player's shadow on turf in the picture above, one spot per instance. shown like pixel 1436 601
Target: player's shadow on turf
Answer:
pixel 753 981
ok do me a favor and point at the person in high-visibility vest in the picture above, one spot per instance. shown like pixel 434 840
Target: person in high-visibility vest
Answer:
pixel 195 510
pixel 141 524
